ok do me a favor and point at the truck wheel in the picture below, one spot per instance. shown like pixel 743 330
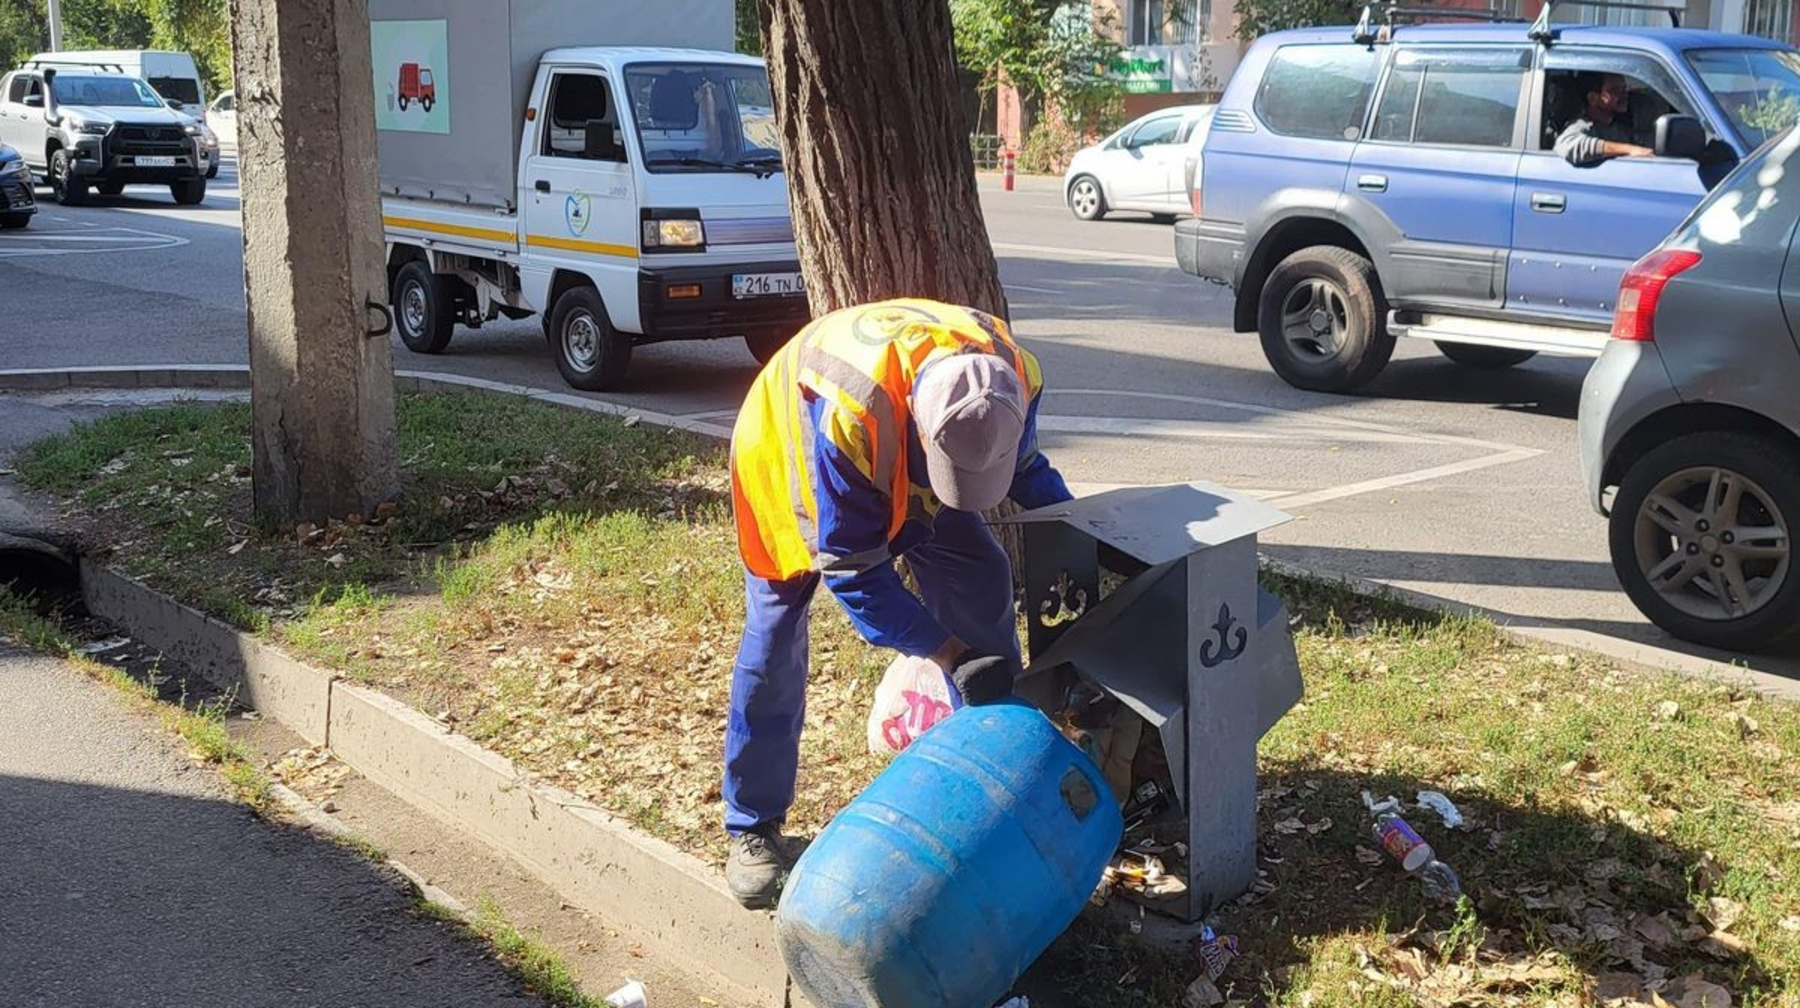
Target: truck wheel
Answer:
pixel 764 346
pixel 590 353
pixel 14 221
pixel 1323 320
pixel 66 187
pixel 110 188
pixel 1486 357
pixel 424 309
pixel 189 193
pixel 1702 537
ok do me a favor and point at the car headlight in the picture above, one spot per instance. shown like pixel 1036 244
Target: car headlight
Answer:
pixel 674 234
pixel 92 129
pixel 191 129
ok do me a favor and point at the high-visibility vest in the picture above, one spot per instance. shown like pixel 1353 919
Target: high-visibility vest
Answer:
pixel 861 361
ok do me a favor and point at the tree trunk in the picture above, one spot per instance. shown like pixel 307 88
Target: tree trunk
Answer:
pixel 321 373
pixel 880 176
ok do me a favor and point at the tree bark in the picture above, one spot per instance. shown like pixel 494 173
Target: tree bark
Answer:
pixel 880 176
pixel 321 372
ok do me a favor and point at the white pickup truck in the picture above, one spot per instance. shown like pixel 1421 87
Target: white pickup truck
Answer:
pixel 629 192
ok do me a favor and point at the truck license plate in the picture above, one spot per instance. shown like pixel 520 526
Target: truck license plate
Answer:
pixel 751 285
pixel 155 162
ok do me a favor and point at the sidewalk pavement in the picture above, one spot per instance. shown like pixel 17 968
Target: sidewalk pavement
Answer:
pixel 132 879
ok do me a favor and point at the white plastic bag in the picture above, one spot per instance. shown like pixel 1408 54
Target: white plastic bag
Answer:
pixel 914 695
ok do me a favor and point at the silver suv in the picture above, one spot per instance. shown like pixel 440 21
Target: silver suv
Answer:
pixel 86 128
pixel 1693 414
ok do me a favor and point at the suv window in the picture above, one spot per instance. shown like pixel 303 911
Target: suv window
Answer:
pixel 1156 131
pixel 1317 91
pixel 1464 97
pixel 22 84
pixel 1569 74
pixel 575 98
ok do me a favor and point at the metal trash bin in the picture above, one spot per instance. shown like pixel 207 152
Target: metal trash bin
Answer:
pixel 1187 640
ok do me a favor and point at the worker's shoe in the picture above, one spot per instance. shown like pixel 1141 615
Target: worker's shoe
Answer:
pixel 758 865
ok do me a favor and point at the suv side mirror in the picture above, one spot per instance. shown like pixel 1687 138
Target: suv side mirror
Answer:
pixel 177 104
pixel 1679 136
pixel 34 101
pixel 599 142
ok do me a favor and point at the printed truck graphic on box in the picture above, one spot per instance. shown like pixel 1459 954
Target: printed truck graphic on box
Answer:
pixel 416 86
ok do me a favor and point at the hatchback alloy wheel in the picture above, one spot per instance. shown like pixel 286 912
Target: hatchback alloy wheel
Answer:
pixel 1714 543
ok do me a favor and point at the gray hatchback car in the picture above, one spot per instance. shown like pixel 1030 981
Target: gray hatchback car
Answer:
pixel 1693 415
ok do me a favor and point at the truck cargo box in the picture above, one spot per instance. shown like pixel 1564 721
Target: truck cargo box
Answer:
pixel 480 58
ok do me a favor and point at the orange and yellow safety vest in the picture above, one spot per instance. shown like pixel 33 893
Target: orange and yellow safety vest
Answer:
pixel 860 362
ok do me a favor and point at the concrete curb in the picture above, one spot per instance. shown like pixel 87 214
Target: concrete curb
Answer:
pixel 662 896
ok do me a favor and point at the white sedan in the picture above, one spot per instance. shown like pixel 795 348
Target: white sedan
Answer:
pixel 1145 166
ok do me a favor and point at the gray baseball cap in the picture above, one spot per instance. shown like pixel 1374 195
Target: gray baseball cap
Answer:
pixel 970 413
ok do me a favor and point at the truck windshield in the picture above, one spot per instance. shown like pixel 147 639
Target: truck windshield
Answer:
pixel 704 117
pixel 185 90
pixel 93 91
pixel 1758 88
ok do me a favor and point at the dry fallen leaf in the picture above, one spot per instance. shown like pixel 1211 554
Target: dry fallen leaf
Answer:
pixel 1370 857
pixel 1722 913
pixel 1725 945
pixel 1693 991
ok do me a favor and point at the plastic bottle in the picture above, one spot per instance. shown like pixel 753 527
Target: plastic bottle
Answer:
pixel 1404 844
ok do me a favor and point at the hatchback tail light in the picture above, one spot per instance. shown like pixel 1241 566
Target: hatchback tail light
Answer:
pixel 1642 288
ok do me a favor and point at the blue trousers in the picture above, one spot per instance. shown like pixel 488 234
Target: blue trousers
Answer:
pixel 965 582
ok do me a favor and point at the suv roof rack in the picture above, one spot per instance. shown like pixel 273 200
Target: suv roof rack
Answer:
pixel 39 64
pixel 1543 31
pixel 1369 30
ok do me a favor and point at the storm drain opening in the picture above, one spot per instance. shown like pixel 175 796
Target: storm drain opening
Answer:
pixel 42 573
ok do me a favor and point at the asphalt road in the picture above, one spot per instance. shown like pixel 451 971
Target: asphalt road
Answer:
pixel 132 881
pixel 1459 483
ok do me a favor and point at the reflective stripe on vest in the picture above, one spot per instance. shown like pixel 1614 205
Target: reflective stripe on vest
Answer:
pixel 861 362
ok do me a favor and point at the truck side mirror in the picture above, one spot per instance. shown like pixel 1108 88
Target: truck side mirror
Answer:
pixel 1679 136
pixel 176 104
pixel 600 143
pixel 34 101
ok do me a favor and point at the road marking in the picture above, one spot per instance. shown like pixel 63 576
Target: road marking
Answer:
pixel 1217 430
pixel 1290 502
pixel 1054 252
pixel 1031 290
pixel 28 244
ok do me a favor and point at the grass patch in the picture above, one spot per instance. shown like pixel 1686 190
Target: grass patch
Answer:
pixel 537 965
pixel 567 592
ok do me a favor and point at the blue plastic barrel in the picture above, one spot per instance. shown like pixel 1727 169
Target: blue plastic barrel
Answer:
pixel 953 871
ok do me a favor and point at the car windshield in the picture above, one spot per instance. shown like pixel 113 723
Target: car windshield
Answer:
pixel 1758 88
pixel 704 117
pixel 71 89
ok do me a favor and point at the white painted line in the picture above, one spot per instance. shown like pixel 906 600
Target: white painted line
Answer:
pixel 1031 290
pixel 1296 501
pixel 1304 416
pixel 1099 255
pixel 27 244
pixel 1219 430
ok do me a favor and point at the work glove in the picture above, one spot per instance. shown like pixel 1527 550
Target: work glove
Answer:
pixel 983 679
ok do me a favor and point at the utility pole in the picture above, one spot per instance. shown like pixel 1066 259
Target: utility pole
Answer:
pixel 55 25
pixel 321 371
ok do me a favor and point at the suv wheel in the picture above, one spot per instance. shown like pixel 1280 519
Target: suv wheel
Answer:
pixel 1323 320
pixel 764 346
pixel 1086 199
pixel 1702 540
pixel 590 353
pixel 1488 357
pixel 189 193
pixel 68 188
pixel 424 309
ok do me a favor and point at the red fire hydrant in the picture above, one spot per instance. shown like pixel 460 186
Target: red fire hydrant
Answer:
pixel 1008 166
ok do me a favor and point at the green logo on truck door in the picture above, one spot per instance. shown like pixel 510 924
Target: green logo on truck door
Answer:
pixel 577 211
